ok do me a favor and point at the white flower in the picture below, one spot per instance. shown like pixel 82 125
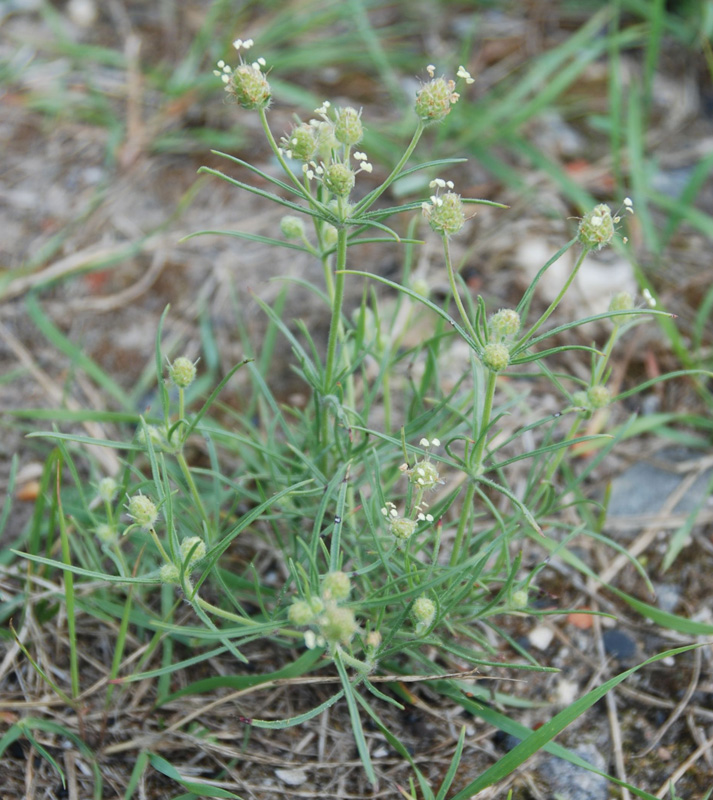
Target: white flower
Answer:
pixel 463 73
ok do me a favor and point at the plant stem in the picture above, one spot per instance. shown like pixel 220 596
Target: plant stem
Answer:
pixel 455 292
pixel 462 523
pixel 477 462
pixel 553 305
pixel 335 325
pixel 276 150
pixel 373 196
pixel 183 464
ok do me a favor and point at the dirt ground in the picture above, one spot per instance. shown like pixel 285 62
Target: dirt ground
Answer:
pixel 92 226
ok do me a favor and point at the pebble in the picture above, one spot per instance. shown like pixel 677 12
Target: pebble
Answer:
pixel 292 777
pixel 540 637
pixel 619 644
pixel 569 782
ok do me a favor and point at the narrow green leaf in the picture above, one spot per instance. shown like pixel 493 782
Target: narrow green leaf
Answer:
pixel 201 789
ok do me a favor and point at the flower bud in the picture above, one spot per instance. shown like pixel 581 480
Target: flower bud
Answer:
pixel 107 489
pixel 519 599
pixel 336 586
pixel 421 287
pixel 435 98
pixel 154 434
pixel 445 213
pixel 105 533
pixel 329 235
pixel 195 544
pixel 622 301
pixel 373 640
pixel 292 227
pixel 339 179
pixel 300 613
pixel 348 128
pixel 598 397
pixel 505 322
pixel 596 228
pixel 250 87
pixel 169 573
pixel 496 356
pixel 423 612
pixel 142 511
pixel 182 372
pixel 338 625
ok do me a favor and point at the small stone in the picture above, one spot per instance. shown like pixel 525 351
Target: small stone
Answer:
pixel 569 782
pixel 618 644
pixel 292 777
pixel 541 637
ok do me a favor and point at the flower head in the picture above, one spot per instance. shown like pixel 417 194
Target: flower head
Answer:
pixel 142 511
pixel 338 625
pixel 348 129
pixel 247 82
pixel 622 301
pixel 107 489
pixel 423 612
pixel 597 228
pixel 402 528
pixel 336 586
pixel 193 549
pixel 444 212
pixel 504 323
pixel 302 143
pixel 435 98
pixel 182 372
pixel 496 356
